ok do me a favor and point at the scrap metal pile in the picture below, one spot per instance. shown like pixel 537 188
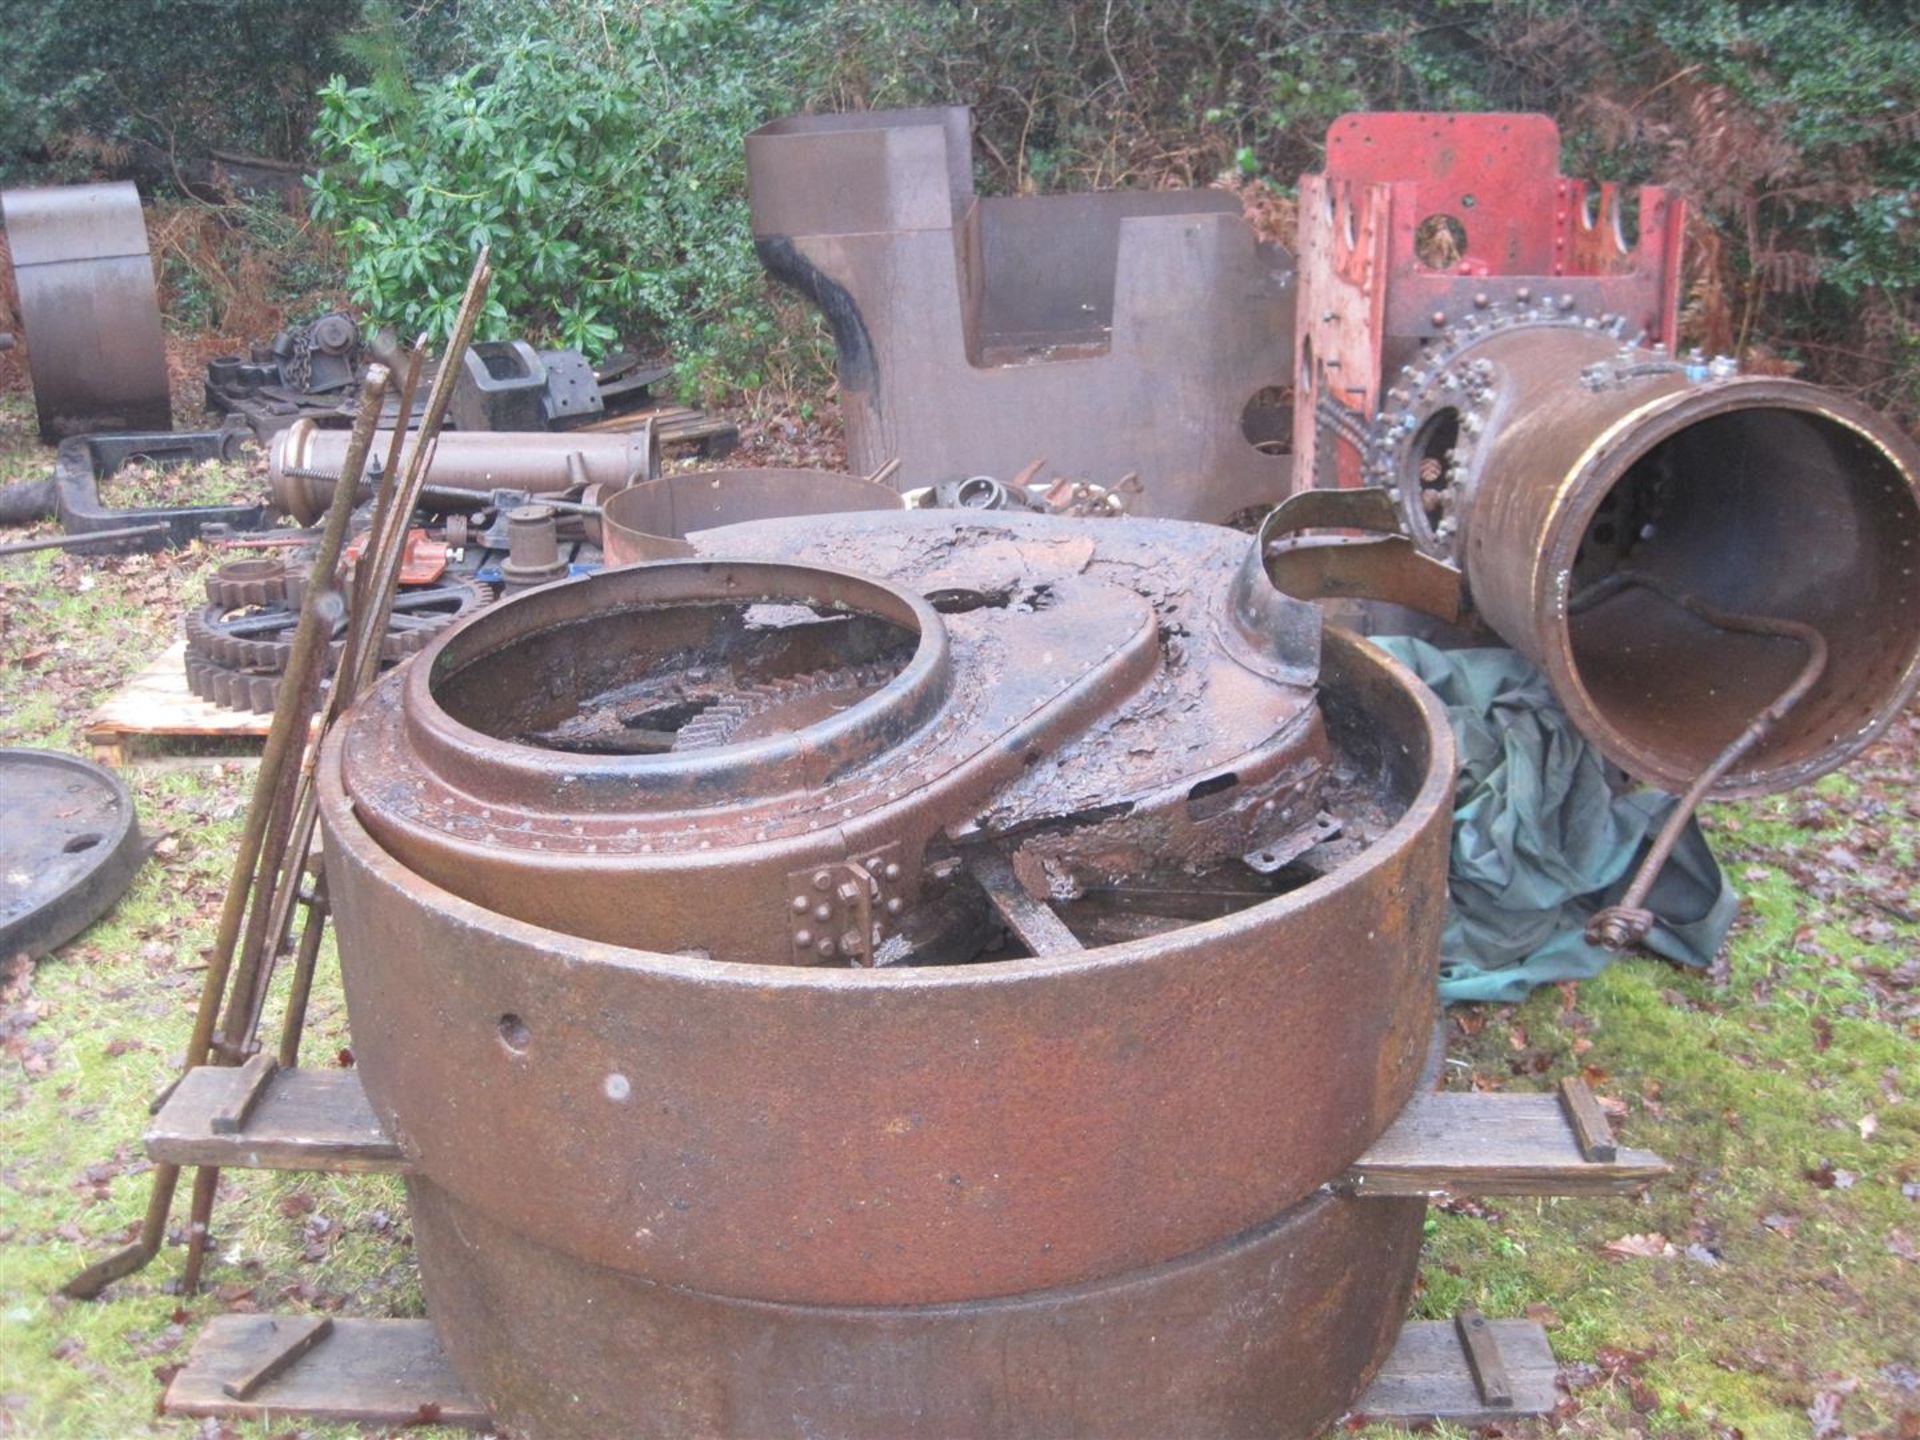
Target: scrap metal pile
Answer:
pixel 943 954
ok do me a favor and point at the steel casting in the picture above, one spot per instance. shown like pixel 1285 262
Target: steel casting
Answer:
pixel 1129 333
pixel 1517 399
pixel 305 459
pixel 84 276
pixel 584 853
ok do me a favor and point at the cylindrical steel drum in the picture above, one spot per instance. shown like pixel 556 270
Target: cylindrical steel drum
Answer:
pixel 651 520
pixel 87 301
pixel 1565 458
pixel 1067 1193
pixel 304 458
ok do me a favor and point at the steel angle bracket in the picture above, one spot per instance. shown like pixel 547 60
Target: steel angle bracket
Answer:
pixel 1380 563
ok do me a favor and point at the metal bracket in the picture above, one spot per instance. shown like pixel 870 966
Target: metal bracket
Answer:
pixel 842 910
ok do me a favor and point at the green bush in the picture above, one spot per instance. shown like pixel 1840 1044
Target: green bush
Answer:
pixel 597 148
pixel 147 86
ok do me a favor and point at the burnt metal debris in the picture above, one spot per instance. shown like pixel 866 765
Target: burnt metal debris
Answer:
pixel 69 848
pixel 718 842
pixel 1145 332
pixel 84 276
pixel 1518 400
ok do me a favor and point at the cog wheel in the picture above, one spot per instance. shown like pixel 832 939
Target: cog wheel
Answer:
pixel 258 636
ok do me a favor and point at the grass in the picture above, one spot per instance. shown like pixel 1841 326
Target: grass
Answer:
pixel 1785 1087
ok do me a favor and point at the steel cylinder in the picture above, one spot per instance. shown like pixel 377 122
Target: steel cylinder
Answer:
pixel 84 275
pixel 304 458
pixel 1067 1193
pixel 1574 458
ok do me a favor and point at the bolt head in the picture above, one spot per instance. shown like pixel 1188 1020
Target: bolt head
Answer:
pixel 821 879
pixel 803 938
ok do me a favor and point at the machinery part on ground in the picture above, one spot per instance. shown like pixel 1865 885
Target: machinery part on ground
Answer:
pixel 533 548
pixel 84 276
pixel 697 841
pixel 304 459
pixel 974 333
pixel 255 580
pixel 84 461
pixel 1214 1343
pixel 69 848
pixel 509 385
pixel 259 637
pixel 307 371
pixel 1542 443
pixel 652 519
pixel 253 691
pixel 26 501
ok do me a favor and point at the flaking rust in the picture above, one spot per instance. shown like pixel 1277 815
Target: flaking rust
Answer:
pixel 882 944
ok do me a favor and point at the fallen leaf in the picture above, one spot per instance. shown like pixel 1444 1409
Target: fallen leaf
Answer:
pixel 1868 1124
pixel 1650 1246
pixel 1901 1244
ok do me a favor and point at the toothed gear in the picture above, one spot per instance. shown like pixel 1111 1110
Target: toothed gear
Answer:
pixel 720 722
pixel 254 581
pixel 1423 454
pixel 232 689
pixel 259 637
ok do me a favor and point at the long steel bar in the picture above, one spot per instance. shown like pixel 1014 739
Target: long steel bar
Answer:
pixel 287 730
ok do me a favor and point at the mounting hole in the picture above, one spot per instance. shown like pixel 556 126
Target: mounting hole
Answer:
pixel 515 1034
pixel 1626 219
pixel 1430 458
pixel 1440 242
pixel 81 843
pixel 1266 421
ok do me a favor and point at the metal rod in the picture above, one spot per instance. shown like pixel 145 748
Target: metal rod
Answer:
pixel 288 728
pixel 293 1023
pixel 1628 922
pixel 62 542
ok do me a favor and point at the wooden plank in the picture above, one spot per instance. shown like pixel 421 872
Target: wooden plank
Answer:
pixel 294 1335
pixel 368 1372
pixel 1589 1121
pixel 301 1120
pixel 1484 1360
pixel 231 1117
pixel 155 701
pixel 1039 929
pixel 1427 1378
pixel 1456 1143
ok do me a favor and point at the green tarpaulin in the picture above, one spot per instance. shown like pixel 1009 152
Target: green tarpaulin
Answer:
pixel 1542 837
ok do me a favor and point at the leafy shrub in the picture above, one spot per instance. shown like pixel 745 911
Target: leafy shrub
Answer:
pixel 598 149
pixel 138 86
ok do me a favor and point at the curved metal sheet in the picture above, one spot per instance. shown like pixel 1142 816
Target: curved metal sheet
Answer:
pixel 88 304
pixel 1270 1334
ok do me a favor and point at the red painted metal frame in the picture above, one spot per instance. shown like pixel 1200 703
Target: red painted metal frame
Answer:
pixel 1366 298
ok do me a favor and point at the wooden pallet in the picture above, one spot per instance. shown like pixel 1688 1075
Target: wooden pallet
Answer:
pixel 1469 1371
pixel 156 703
